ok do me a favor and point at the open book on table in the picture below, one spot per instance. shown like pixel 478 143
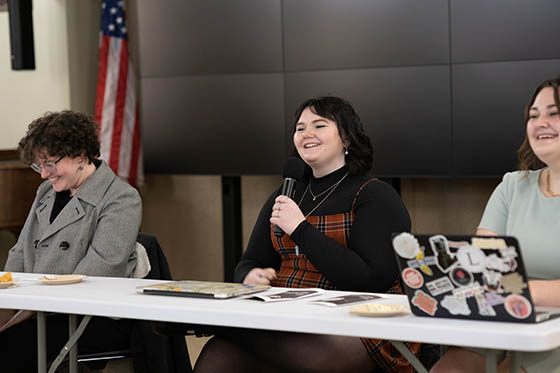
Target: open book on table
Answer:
pixel 347 299
pixel 201 289
pixel 284 295
pixel 294 294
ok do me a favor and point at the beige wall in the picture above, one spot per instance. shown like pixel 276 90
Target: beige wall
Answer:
pixel 27 94
pixel 451 206
pixel 183 211
pixel 254 192
pixel 65 38
pixel 185 214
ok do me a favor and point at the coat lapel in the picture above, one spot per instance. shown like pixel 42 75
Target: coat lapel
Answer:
pixel 90 193
pixel 43 210
pixel 70 213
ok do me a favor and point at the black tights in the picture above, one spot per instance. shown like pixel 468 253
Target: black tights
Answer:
pixel 18 352
pixel 247 350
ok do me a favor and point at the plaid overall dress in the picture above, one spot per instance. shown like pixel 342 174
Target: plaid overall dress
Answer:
pixel 296 271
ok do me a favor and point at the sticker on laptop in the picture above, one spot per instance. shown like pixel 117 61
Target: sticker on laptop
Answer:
pixel 488 243
pixel 439 286
pixel 508 257
pixel 493 261
pixel 508 252
pixel 456 305
pixel 412 278
pixel 518 306
pixel 461 277
pixel 468 291
pixel 484 308
pixel 457 244
pixel 445 260
pixel 512 264
pixel 491 279
pixel 494 298
pixel 471 258
pixel 513 283
pixel 425 302
pixel 406 245
pixel 422 262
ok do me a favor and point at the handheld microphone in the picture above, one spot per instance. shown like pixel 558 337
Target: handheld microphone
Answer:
pixel 293 171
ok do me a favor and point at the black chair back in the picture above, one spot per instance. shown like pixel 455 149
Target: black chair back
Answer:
pixel 152 352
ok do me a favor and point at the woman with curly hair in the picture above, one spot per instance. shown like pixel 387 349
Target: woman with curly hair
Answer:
pixel 84 220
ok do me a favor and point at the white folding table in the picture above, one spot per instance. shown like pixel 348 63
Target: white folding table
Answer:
pixel 117 297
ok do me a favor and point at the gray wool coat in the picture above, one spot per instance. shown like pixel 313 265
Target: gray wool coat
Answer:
pixel 94 234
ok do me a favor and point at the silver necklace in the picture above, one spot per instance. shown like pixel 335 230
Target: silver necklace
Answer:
pixel 323 192
pixel 332 188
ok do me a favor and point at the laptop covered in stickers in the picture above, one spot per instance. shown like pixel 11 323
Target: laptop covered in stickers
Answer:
pixel 466 277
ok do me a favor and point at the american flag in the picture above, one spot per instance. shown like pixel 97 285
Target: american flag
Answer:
pixel 116 105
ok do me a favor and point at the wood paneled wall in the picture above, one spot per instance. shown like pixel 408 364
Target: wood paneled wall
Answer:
pixel 447 206
pixel 18 184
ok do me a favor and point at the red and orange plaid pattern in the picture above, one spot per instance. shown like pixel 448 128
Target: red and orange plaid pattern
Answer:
pixel 296 271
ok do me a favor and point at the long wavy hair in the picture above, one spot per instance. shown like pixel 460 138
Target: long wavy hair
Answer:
pixel 527 158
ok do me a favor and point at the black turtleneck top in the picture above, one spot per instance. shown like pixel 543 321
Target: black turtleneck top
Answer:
pixel 368 263
pixel 62 198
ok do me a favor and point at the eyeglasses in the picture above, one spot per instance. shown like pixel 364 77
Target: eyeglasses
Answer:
pixel 50 167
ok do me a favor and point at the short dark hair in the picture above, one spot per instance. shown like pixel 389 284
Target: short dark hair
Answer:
pixel 61 134
pixel 360 151
pixel 527 158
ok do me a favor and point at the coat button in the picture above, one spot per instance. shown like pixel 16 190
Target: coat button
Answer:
pixel 64 245
pixel 36 243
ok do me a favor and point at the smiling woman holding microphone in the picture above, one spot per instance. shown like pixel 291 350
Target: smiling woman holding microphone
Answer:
pixel 338 229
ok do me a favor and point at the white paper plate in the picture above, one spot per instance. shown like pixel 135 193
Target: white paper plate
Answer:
pixel 61 279
pixel 379 310
pixel 6 284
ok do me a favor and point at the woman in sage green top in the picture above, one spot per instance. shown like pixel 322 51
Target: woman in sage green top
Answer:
pixel 526 205
pixel 519 208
